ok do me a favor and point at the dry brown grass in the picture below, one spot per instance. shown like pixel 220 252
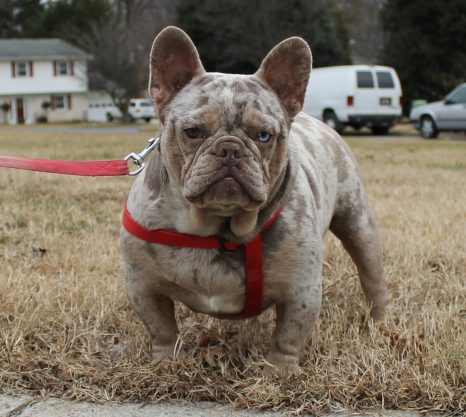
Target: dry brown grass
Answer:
pixel 67 330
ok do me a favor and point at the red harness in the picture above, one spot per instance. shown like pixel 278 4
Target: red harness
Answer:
pixel 252 255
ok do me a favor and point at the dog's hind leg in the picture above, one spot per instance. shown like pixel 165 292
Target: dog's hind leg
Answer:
pixel 354 224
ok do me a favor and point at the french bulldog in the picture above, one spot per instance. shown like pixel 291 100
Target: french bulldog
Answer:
pixel 234 149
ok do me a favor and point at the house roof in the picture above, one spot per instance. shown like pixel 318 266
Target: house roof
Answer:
pixel 35 49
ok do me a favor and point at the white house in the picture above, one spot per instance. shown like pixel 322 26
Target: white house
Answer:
pixel 42 78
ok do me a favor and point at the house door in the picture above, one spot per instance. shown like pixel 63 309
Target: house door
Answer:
pixel 20 110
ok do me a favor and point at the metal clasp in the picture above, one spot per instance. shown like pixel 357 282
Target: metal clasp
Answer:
pixel 138 158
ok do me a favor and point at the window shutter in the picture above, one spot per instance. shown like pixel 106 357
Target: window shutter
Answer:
pixel 52 102
pixel 13 69
pixel 31 69
pixel 71 68
pixel 69 101
pixel 55 68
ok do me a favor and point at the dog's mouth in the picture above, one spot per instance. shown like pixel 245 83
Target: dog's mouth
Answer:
pixel 228 188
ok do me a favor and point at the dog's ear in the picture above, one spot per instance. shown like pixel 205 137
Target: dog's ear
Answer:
pixel 286 70
pixel 174 61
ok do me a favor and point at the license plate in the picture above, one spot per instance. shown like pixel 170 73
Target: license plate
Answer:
pixel 385 101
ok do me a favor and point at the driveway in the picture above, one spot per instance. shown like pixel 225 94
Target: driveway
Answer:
pixel 12 406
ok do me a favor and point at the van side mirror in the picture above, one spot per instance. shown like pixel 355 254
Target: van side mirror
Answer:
pixel 448 101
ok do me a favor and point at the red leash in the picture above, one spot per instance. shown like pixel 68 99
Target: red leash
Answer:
pixel 82 168
pixel 85 168
pixel 253 264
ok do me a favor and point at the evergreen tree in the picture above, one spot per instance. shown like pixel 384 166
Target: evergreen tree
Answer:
pixel 235 36
pixel 18 16
pixel 425 43
pixel 70 19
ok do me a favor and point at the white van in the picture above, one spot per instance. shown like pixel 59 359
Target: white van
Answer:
pixel 355 95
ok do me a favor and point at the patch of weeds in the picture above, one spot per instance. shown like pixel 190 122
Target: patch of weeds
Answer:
pixel 53 205
pixel 392 161
pixel 106 155
pixel 4 240
pixel 457 166
pixel 83 224
pixel 9 241
pixel 20 223
pixel 102 218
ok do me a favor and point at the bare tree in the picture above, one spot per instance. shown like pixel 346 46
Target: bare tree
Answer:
pixel 363 23
pixel 120 48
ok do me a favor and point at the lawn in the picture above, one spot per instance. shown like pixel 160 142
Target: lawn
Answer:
pixel 67 330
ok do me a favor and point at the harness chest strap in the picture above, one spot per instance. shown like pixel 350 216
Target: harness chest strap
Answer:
pixel 253 263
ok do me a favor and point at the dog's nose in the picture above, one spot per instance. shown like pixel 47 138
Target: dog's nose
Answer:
pixel 230 152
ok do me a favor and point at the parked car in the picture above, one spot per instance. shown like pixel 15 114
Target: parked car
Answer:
pixel 448 114
pixel 355 95
pixel 141 108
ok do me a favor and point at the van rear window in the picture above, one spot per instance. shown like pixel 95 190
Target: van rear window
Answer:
pixel 365 79
pixel 385 80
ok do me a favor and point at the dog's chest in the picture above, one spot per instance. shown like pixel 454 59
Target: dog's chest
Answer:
pixel 206 280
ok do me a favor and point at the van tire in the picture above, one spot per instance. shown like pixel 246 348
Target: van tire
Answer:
pixel 380 130
pixel 428 128
pixel 147 119
pixel 109 117
pixel 331 120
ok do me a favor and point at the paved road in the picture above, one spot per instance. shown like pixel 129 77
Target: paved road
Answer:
pixel 401 131
pixel 12 406
pixel 77 129
pixel 86 128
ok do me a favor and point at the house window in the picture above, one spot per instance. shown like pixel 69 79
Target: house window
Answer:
pixel 21 69
pixel 59 102
pixel 62 68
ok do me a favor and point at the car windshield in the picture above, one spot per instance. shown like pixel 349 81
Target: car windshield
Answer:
pixel 457 95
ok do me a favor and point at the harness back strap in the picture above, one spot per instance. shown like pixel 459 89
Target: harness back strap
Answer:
pixel 253 263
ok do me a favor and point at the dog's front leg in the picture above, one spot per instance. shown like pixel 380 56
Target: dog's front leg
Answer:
pixel 295 321
pixel 157 312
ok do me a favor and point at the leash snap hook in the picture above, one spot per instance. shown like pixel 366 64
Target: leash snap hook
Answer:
pixel 138 158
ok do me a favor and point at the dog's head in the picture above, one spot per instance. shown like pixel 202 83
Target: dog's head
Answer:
pixel 224 141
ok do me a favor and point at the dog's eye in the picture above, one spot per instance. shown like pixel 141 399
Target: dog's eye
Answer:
pixel 264 137
pixel 193 133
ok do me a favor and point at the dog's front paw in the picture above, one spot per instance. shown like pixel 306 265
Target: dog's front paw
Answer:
pixel 283 366
pixel 162 354
pixel 379 309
